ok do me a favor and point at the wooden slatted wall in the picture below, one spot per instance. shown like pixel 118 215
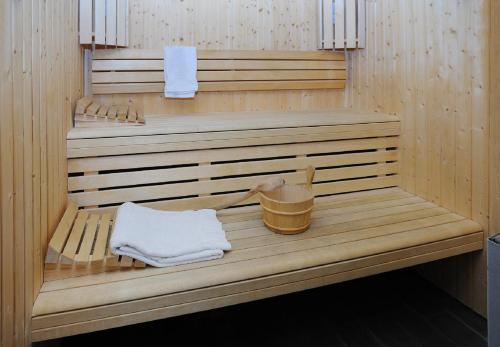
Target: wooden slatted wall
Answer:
pixel 284 25
pixel 427 62
pixel 142 71
pixel 40 63
pixel 201 170
pixel 341 24
pixel 103 23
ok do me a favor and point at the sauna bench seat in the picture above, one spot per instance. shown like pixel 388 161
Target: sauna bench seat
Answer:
pixel 363 223
pixel 351 236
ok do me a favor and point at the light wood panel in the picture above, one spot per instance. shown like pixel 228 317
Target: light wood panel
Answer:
pixel 288 25
pixel 351 236
pixel 220 71
pixel 40 63
pixel 427 62
pixel 211 160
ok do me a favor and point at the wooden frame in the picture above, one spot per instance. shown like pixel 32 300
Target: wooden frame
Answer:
pixel 103 23
pixel 189 162
pixel 141 71
pixel 342 24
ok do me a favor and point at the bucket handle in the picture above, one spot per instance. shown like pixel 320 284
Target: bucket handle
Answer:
pixel 310 171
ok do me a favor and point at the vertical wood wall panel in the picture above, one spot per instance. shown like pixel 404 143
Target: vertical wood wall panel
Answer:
pixel 40 62
pixel 427 62
pixel 495 119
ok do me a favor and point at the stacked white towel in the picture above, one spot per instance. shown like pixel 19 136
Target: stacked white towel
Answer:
pixel 180 71
pixel 167 238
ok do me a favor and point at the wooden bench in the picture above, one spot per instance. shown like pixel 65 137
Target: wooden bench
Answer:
pixel 363 223
pixel 141 71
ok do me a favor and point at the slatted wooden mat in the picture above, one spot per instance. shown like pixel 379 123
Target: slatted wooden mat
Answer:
pixel 81 240
pixel 91 113
pixel 141 70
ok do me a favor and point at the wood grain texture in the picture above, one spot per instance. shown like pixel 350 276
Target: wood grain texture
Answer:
pixel 40 81
pixel 351 236
pixel 227 25
pixel 427 62
pixel 207 160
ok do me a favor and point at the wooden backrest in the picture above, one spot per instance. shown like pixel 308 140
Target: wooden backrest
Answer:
pixel 141 71
pixel 163 169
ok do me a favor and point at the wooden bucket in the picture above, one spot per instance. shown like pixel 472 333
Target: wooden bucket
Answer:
pixel 287 210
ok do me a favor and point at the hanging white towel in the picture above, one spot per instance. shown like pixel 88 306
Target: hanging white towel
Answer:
pixel 180 66
pixel 167 238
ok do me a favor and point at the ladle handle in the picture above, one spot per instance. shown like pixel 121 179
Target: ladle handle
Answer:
pixel 310 171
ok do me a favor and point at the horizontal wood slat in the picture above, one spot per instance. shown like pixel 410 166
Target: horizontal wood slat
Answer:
pixel 224 154
pixel 242 168
pixel 204 76
pixel 135 71
pixel 204 169
pixel 168 143
pixel 219 65
pixel 129 88
pixel 220 54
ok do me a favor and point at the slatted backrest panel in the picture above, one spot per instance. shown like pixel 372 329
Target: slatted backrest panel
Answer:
pixel 178 172
pixel 141 71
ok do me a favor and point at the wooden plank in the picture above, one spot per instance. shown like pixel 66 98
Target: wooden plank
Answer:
pixel 93 109
pixel 230 121
pixel 319 5
pixel 101 240
pixel 82 152
pixel 219 65
pixel 178 158
pixel 339 24
pixel 83 256
pixel 112 112
pixel 121 23
pixel 100 22
pixel 85 22
pixel 82 104
pixel 126 261
pixel 169 175
pixel 121 113
pixel 376 214
pixel 203 76
pixel 127 88
pixel 214 302
pixel 103 111
pixel 287 134
pixel 132 114
pixel 61 233
pixel 361 23
pixel 217 186
pixel 152 54
pixel 350 23
pixel 327 24
pixel 111 22
pixel 159 285
pixel 69 252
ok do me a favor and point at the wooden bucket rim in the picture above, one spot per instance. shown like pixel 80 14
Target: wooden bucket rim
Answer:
pixel 302 188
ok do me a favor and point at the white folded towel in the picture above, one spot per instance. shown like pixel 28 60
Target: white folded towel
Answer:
pixel 167 238
pixel 180 66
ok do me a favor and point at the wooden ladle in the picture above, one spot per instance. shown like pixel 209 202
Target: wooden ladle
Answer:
pixel 264 186
pixel 310 171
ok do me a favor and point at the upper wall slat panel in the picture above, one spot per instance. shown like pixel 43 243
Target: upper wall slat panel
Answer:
pixel 220 71
pixel 222 25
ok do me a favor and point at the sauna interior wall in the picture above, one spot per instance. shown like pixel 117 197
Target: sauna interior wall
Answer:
pixel 230 25
pixel 427 62
pixel 41 64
